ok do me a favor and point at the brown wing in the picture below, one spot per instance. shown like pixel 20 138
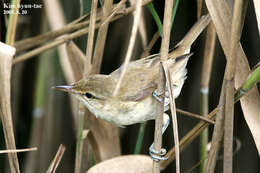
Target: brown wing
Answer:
pixel 140 79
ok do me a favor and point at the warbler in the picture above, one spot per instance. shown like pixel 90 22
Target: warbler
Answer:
pixel 137 97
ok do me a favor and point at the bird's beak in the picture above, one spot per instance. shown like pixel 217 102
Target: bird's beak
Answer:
pixel 66 88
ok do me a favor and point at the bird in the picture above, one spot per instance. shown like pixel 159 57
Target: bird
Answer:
pixel 137 97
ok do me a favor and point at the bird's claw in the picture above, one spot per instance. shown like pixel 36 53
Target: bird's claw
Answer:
pixel 157 155
pixel 158 96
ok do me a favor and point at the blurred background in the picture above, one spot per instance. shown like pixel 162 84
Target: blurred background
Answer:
pixel 43 117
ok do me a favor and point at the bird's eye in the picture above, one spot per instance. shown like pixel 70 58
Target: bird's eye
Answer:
pixel 89 96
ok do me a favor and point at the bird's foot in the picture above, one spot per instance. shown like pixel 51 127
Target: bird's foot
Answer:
pixel 157 155
pixel 158 96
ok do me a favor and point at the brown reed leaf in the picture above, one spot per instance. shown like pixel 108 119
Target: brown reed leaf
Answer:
pixel 250 103
pixel 76 59
pixel 6 56
pixel 257 12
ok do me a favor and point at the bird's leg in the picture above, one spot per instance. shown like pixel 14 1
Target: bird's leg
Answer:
pixel 158 97
pixel 158 155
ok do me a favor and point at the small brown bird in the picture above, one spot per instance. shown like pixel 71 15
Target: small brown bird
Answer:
pixel 136 99
pixel 135 102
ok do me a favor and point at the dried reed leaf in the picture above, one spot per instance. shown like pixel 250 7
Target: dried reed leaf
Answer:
pixel 6 56
pixel 199 8
pixel 150 45
pixel 76 59
pixel 90 41
pixel 101 38
pixel 124 164
pixel 250 103
pixel 141 26
pixel 184 45
pixel 257 12
pixel 56 20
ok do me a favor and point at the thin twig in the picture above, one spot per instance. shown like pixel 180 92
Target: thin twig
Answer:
pixel 72 27
pixel 174 116
pixel 148 48
pixel 115 10
pixel 39 39
pixel 18 150
pixel 66 38
pixel 217 133
pixel 130 46
pixel 188 138
pixel 55 162
pixel 90 42
pixel 102 35
pixel 192 115
pixel 161 85
pixel 48 46
pixel 159 119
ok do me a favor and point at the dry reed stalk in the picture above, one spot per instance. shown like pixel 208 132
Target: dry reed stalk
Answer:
pixel 56 161
pixel 130 48
pixel 236 31
pixel 208 54
pixel 18 150
pixel 161 85
pixel 6 56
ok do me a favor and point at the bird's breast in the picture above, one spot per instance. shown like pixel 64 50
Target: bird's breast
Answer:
pixel 124 113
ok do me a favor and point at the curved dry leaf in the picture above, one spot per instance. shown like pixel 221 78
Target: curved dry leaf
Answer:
pixel 76 59
pixel 257 12
pixel 6 56
pixel 250 103
pixel 57 21
pixel 124 164
pixel 142 28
